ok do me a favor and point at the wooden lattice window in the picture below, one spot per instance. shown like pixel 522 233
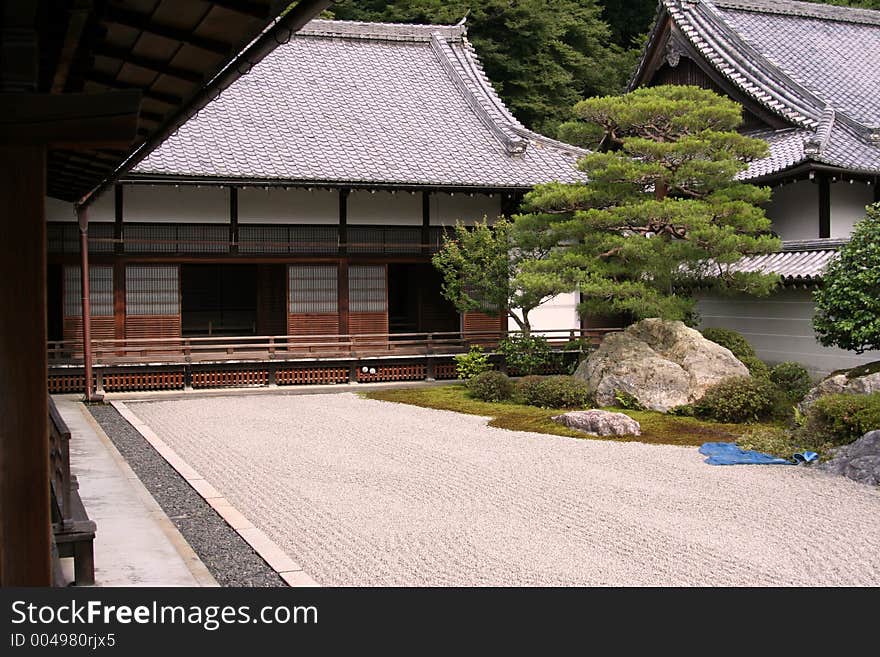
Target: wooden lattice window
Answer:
pixel 313 288
pixel 100 291
pixel 366 289
pixel 152 290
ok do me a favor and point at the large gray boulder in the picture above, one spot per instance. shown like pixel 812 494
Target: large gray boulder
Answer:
pixel 841 383
pixel 859 461
pixel 600 423
pixel 661 363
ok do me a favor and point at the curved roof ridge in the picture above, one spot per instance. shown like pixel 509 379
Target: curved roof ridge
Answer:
pixel 474 94
pixel 381 31
pixel 804 10
pixel 755 75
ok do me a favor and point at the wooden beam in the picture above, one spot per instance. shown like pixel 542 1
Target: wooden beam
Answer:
pixel 824 205
pixel 118 217
pixel 244 7
pixel 132 19
pixel 113 83
pixel 148 63
pixel 342 297
pixel 70 120
pixel 24 430
pixel 79 16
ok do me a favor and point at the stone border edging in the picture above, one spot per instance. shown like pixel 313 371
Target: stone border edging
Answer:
pixel 194 564
pixel 286 568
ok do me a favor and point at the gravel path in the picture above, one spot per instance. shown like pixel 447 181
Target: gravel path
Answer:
pixel 364 492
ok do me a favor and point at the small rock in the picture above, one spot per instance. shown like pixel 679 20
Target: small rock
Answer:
pixel 600 423
pixel 859 461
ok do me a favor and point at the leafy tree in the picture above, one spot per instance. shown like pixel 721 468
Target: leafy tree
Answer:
pixel 848 302
pixel 662 208
pixel 481 268
pixel 541 55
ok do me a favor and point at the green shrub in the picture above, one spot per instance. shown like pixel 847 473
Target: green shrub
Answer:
pixel 792 379
pixel 841 419
pixel 554 392
pixel 468 365
pixel 769 440
pixel 526 355
pixel 622 399
pixel 490 386
pixel 738 399
pixel 523 390
pixel 685 410
pixel 740 348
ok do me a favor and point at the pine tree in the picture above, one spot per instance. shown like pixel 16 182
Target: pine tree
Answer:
pixel 848 302
pixel 662 210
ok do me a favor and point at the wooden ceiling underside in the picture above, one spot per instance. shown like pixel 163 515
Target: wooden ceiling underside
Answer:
pixel 170 50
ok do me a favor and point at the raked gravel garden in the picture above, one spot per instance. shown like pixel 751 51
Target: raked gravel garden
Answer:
pixel 369 492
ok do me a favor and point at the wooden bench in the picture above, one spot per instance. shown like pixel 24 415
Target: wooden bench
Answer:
pixel 74 533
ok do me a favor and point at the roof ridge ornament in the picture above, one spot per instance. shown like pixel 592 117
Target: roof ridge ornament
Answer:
pixel 817 143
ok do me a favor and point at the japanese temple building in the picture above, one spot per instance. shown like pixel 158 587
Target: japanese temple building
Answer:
pixel 308 198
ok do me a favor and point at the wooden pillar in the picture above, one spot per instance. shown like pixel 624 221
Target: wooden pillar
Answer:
pixel 233 219
pixel 24 431
pixel 118 218
pixel 119 299
pixel 876 189
pixel 342 297
pixel 426 223
pixel 343 221
pixel 82 216
pixel 824 205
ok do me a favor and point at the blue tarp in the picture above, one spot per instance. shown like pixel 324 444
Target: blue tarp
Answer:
pixel 730 454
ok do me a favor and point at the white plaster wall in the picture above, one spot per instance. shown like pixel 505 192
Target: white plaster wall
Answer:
pixel 560 312
pixel 779 328
pixel 59 210
pixel 446 209
pixel 848 201
pixel 183 204
pixel 102 209
pixel 794 210
pixel 258 205
pixel 384 208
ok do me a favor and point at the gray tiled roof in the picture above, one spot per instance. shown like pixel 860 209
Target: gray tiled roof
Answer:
pixel 791 265
pixel 814 65
pixel 371 103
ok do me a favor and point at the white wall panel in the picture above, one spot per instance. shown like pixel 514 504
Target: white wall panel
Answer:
pixel 258 205
pixel 101 210
pixel 183 204
pixel 447 209
pixel 794 210
pixel 848 201
pixel 59 210
pixel 385 208
pixel 779 328
pixel 560 312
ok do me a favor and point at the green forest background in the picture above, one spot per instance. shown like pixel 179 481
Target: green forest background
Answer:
pixel 541 55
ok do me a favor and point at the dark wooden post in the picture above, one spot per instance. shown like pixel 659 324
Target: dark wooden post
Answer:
pixel 82 216
pixel 426 223
pixel 233 219
pixel 824 205
pixel 24 398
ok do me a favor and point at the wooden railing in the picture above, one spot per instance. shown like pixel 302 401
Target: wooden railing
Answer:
pixel 195 349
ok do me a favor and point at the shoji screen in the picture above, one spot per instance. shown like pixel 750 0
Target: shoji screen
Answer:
pixel 313 300
pixel 367 299
pixel 100 298
pixel 152 301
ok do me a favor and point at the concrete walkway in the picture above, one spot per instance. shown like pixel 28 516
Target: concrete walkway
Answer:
pixel 136 544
